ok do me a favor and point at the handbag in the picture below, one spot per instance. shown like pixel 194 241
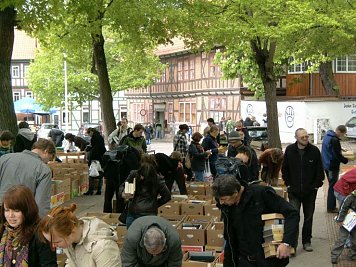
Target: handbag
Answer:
pixel 187 162
pixel 208 177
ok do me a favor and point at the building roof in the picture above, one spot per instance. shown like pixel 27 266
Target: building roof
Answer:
pixel 24 46
pixel 176 47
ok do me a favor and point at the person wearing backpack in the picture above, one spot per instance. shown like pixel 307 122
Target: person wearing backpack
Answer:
pixel 235 146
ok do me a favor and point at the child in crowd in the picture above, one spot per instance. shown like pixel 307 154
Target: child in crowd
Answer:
pixel 347 204
pixel 6 139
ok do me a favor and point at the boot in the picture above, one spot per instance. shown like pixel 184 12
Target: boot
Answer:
pixel 100 185
pixel 91 187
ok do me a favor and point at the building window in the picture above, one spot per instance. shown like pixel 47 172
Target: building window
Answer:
pixel 346 64
pixel 217 103
pixel 26 68
pixel 170 112
pixel 29 94
pixel 15 72
pixel 298 68
pixel 187 112
pixel 215 70
pixel 16 96
pixel 180 70
pixel 186 69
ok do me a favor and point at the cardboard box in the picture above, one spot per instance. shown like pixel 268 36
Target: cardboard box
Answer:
pixel 175 220
pixel 193 207
pixel 121 233
pixel 198 218
pixel 99 215
pixel 192 248
pixel 57 200
pixel 193 237
pixel 196 188
pixel 215 235
pixel 172 207
pixel 189 263
pixel 272 216
pixel 74 188
pixel 212 210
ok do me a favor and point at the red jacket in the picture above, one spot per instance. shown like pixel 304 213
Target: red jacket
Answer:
pixel 347 183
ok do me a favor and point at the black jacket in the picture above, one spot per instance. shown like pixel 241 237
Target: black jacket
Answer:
pixel 145 201
pixel 39 253
pixel 198 157
pixel 243 225
pixel 97 147
pixel 302 174
pixel 253 164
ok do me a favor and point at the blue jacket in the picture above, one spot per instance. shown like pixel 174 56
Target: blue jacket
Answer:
pixel 331 152
pixel 210 143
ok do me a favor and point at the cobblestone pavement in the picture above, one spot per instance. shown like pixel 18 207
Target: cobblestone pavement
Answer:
pixel 325 230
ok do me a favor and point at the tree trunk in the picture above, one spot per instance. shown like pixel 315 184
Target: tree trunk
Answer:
pixel 328 79
pixel 8 119
pixel 263 55
pixel 106 98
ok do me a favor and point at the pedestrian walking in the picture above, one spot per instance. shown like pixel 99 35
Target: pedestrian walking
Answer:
pixel 302 172
pixel 332 157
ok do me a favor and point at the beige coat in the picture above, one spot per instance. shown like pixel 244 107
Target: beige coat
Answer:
pixel 97 247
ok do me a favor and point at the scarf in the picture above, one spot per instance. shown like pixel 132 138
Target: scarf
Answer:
pixel 12 253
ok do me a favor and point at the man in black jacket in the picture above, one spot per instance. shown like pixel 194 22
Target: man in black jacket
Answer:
pixel 303 174
pixel 242 209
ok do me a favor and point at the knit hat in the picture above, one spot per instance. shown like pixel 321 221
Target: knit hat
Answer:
pixel 234 136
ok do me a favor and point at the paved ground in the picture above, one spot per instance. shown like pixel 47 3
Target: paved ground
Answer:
pixel 324 229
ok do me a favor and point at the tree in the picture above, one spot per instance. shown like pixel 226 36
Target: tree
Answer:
pixel 330 38
pixel 257 31
pixel 128 68
pixel 7 23
pixel 80 25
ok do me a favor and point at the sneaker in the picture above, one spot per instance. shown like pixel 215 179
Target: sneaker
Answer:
pixel 334 260
pixel 308 247
pixel 336 210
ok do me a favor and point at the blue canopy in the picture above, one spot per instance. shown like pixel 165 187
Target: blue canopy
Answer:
pixel 28 105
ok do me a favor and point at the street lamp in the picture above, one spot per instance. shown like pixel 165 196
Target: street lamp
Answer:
pixel 66 119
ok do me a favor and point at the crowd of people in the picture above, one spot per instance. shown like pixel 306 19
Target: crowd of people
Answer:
pixel 30 231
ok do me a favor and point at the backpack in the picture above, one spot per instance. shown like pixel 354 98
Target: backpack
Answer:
pixel 229 165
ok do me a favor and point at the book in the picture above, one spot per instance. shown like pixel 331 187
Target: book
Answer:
pixel 350 220
pixel 192 226
pixel 204 256
pixel 130 187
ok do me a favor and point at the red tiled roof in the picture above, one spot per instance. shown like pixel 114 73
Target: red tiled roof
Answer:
pixel 177 46
pixel 24 46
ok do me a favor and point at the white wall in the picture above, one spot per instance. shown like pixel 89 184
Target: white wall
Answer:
pixel 301 114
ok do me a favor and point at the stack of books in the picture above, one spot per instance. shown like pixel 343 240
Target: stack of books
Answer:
pixel 273 231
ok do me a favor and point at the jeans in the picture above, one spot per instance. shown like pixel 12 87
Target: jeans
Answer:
pixel 308 203
pixel 340 198
pixel 333 176
pixel 199 176
pixel 341 241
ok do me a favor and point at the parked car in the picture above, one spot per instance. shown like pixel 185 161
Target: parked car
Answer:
pixel 258 137
pixel 44 130
pixel 351 127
